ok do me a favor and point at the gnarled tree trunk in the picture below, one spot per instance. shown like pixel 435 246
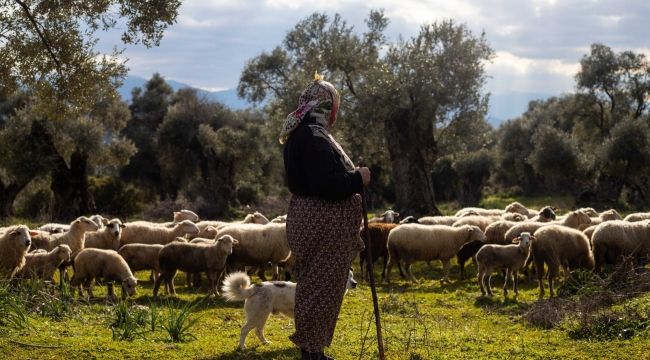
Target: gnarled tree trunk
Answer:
pixel 219 182
pixel 413 152
pixel 72 198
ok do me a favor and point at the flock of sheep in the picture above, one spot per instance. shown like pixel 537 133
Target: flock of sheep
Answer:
pixel 509 239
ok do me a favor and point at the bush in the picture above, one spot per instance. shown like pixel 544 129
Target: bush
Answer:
pixel 114 196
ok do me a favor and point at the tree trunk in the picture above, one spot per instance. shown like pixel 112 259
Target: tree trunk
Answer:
pixel 413 152
pixel 72 198
pixel 8 196
pixel 638 192
pixel 471 191
pixel 219 182
pixel 603 195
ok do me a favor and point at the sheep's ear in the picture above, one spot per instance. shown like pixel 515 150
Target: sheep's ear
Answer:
pixel 532 238
pixel 13 232
pixel 176 213
pixel 77 221
pixel 235 241
pixel 122 226
pixel 555 208
pixel 515 240
pixel 34 233
pixel 470 229
pixel 384 214
pixel 396 214
pixel 104 220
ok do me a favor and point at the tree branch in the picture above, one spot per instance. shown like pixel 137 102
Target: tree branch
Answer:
pixel 40 34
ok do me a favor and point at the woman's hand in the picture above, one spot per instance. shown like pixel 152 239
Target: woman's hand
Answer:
pixel 365 174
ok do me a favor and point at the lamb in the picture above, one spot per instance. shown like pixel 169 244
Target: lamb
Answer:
pixel 608 215
pixel 509 257
pixel 637 217
pixel 613 241
pixel 559 246
pixel 141 233
pixel 258 245
pixel 389 217
pixel 142 257
pixel 89 264
pixel 193 258
pixel 43 264
pixel 415 242
pixel 469 250
pixel 14 243
pixel 107 238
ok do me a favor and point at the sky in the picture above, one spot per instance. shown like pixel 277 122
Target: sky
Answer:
pixel 538 43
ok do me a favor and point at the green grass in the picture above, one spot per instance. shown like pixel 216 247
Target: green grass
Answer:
pixel 420 321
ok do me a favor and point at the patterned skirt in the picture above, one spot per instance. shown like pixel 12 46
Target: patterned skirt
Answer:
pixel 323 236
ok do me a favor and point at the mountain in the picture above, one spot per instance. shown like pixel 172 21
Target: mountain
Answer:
pixel 227 97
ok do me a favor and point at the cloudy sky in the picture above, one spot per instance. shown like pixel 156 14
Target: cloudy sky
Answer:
pixel 538 42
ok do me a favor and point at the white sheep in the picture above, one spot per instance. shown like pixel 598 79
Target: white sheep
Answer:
pixel 608 215
pixel 179 216
pixel 546 214
pixel 142 257
pixel 258 245
pixel 559 246
pixel 14 243
pixel 43 264
pixel 89 264
pixel 637 217
pixel 573 220
pixel 389 217
pixel 193 258
pixel 518 208
pixel 107 238
pixel 475 220
pixel 280 219
pixel 479 211
pixel 142 233
pixel 54 228
pixel 415 242
pixel 99 220
pixel 255 218
pixel 509 257
pixel 438 220
pixel 512 217
pixel 612 241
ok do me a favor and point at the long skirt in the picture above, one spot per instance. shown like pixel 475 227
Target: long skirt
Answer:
pixel 323 236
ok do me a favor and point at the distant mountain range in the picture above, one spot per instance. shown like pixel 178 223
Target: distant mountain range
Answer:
pixel 227 97
pixel 503 106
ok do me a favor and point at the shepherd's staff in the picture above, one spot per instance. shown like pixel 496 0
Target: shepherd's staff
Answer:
pixel 380 341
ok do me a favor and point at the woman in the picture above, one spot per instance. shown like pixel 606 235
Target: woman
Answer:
pixel 324 215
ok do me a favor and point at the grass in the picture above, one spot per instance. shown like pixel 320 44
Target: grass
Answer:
pixel 420 321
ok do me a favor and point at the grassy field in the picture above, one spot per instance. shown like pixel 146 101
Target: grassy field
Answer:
pixel 420 321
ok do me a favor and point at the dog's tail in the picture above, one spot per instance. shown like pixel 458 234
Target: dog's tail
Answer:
pixel 237 286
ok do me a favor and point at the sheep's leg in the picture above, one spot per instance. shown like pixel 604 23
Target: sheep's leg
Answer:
pixel 430 266
pixel 446 265
pixel 505 282
pixel 553 271
pixel 539 266
pixel 401 273
pixel 407 267
pixel 383 271
pixel 461 263
pixel 480 277
pixel 389 266
pixel 170 281
pixel 276 275
pixel 516 283
pixel 161 278
pixel 489 270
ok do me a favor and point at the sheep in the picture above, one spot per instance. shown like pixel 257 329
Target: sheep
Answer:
pixel 99 220
pixel 389 217
pixel 589 232
pixel 612 241
pixel 415 242
pixel 280 219
pixel 142 257
pixel 608 215
pixel 258 245
pixel 75 238
pixel 378 233
pixel 108 238
pixel 179 216
pixel 510 257
pixel 54 228
pixel 438 220
pixel 255 218
pixel 193 258
pixel 557 246
pixel 469 250
pixel 546 214
pixel 573 220
pixel 479 211
pixel 89 264
pixel 637 217
pixel 518 208
pixel 43 264
pixel 14 243
pixel 410 220
pixel 512 217
pixel 141 233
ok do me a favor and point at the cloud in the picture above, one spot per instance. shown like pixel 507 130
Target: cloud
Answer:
pixel 539 42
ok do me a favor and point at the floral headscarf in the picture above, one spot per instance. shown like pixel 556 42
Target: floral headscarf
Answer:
pixel 319 97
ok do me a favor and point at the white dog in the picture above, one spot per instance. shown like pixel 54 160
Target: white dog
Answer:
pixel 262 300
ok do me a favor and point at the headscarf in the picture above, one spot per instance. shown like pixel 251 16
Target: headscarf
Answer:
pixel 321 99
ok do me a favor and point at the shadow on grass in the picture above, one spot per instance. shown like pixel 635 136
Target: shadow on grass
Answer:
pixel 289 353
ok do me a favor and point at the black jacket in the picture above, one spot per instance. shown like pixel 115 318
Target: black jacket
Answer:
pixel 316 166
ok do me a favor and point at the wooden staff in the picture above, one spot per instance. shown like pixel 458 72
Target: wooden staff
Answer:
pixel 380 341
